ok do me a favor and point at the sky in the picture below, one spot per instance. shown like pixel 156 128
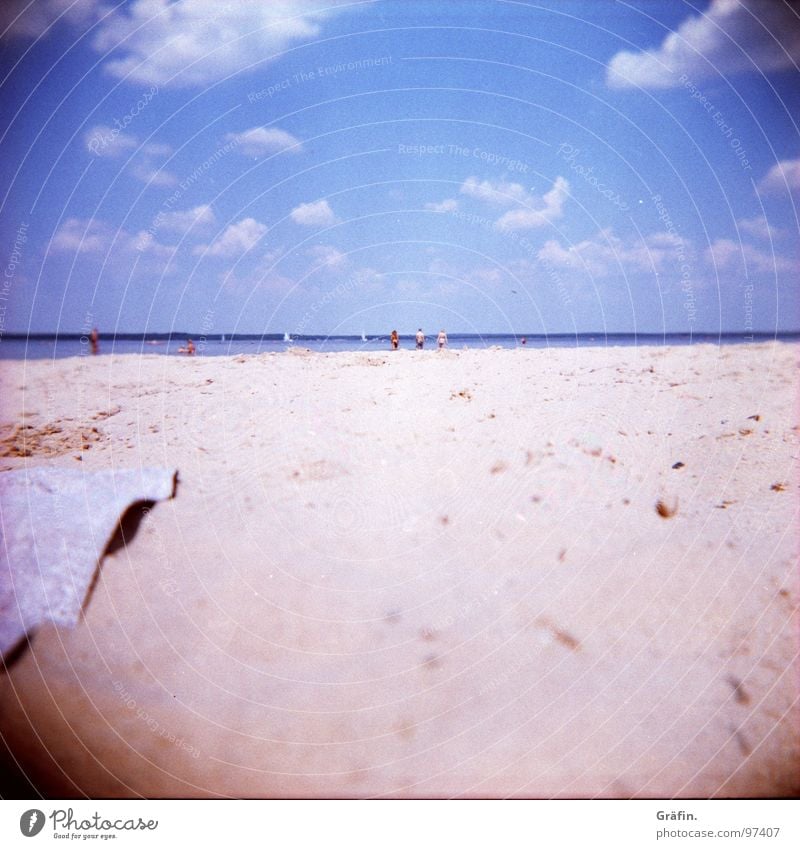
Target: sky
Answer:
pixel 332 167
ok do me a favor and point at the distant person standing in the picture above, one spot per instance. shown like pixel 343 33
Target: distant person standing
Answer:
pixel 441 340
pixel 190 348
pixel 94 341
pixel 420 337
pixel 524 341
pixel 395 340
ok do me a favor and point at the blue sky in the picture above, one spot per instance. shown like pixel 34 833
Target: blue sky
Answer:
pixel 308 167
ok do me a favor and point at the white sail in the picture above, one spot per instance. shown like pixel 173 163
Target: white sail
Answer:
pixel 287 337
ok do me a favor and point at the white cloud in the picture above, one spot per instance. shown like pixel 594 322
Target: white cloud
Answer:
pixel 549 208
pixel 103 140
pixel 782 177
pixel 109 141
pixel 731 37
pixel 145 242
pixel 606 254
pixel 180 221
pixel 328 255
pixel 498 194
pixel 729 255
pixel 316 214
pixel 82 235
pixel 529 210
pixel 760 228
pixel 197 42
pixel 237 239
pixel 448 205
pixel 93 236
pixel 151 176
pixel 259 140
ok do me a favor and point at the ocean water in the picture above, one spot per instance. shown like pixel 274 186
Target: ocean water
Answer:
pixel 57 347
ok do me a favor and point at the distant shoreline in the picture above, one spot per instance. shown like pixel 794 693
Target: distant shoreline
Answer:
pixel 64 346
pixel 318 337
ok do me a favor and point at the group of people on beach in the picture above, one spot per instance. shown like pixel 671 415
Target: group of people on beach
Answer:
pixel 441 340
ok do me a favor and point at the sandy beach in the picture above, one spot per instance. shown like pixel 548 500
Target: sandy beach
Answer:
pixel 483 573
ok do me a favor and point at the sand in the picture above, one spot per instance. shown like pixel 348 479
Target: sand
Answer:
pixel 529 573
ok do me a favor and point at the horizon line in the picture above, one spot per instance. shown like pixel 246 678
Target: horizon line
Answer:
pixel 79 334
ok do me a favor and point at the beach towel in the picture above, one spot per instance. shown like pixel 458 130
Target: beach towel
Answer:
pixel 55 525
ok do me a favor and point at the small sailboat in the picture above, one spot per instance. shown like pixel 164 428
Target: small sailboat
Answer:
pixel 287 337
pixel 363 336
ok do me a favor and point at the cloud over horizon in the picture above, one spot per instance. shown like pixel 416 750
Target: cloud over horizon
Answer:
pixel 743 257
pixel 237 239
pixel 316 214
pixel 529 211
pixel 197 42
pixel 259 140
pixel 191 43
pixel 180 221
pixel 783 177
pixel 733 36
pixel 606 253
pixel 328 255
pixel 96 237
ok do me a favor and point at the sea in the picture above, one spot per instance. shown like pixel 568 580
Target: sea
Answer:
pixel 58 346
